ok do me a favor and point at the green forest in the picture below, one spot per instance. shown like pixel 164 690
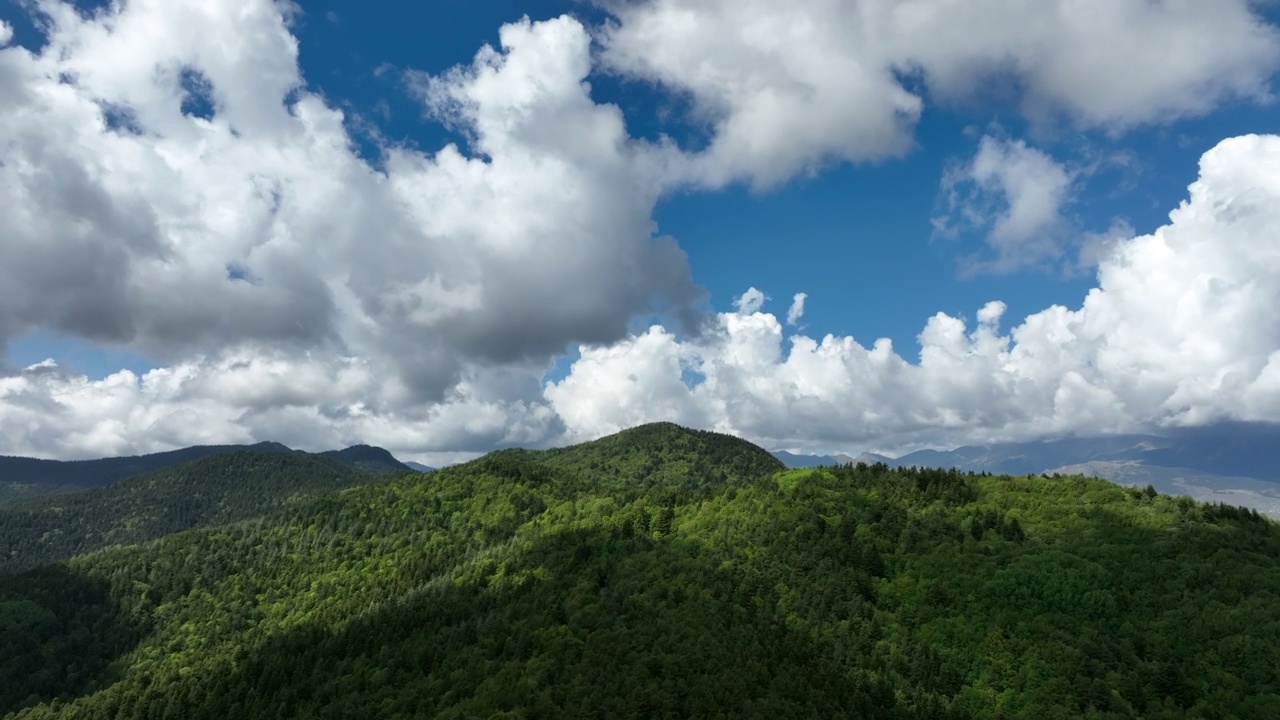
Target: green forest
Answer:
pixel 29 479
pixel 657 573
pixel 214 490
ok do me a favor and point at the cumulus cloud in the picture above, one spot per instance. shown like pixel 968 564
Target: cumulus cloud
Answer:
pixel 1181 330
pixel 1013 194
pixel 786 88
pixel 750 301
pixel 6 33
pixel 311 403
pixel 1095 247
pixel 796 311
pixel 173 187
pixel 642 376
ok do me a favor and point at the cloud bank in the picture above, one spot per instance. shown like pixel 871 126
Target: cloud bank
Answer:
pixel 173 187
pixel 788 88
pixel 1181 330
pixel 139 223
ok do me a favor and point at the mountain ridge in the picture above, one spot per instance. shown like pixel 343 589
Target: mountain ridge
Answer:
pixel 798 460
pixel 27 478
pixel 1231 461
pixel 213 490
pixel 665 572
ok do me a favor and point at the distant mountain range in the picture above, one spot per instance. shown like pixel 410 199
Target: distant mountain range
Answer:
pixel 26 478
pixel 1235 463
pixel 792 460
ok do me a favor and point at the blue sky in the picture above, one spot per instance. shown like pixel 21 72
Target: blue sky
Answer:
pixel 882 223
pixel 857 239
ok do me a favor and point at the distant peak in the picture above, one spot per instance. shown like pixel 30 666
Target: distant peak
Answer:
pixel 367 457
pixel 270 446
pixel 660 426
pixel 797 460
pixel 666 431
pixel 364 451
pixel 655 435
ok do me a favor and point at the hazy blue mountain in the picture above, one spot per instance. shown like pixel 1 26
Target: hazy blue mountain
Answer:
pixel 1032 457
pixel 1235 463
pixel 419 466
pixel 793 460
pixel 873 458
pixel 1261 495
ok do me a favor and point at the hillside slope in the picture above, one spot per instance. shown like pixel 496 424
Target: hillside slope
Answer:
pixel 368 458
pixel 615 580
pixel 23 479
pixel 214 490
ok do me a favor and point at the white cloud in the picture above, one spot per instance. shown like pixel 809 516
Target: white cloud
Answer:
pixel 778 84
pixel 293 292
pixel 1013 194
pixel 750 301
pixel 786 88
pixel 638 380
pixel 1095 247
pixel 1181 330
pixel 248 251
pixel 991 313
pixel 309 403
pixel 6 33
pixel 133 222
pixel 796 311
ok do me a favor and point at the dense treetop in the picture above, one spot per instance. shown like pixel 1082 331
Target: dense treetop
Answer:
pixel 666 573
pixel 368 458
pixel 663 455
pixel 213 490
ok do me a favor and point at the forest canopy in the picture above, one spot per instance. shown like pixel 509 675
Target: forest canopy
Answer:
pixel 661 572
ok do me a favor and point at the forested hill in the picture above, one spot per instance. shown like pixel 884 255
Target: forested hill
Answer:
pixel 27 478
pixel 664 455
pixel 368 458
pixel 22 477
pixel 664 573
pixel 214 490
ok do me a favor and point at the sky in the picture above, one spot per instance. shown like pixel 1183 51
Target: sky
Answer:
pixel 446 227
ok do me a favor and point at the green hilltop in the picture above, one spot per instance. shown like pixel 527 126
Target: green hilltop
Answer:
pixel 663 572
